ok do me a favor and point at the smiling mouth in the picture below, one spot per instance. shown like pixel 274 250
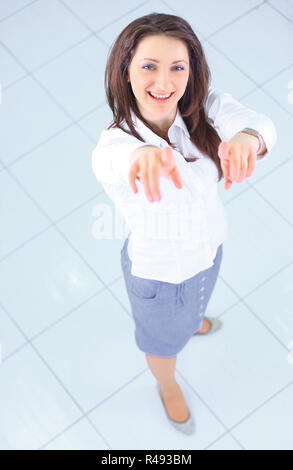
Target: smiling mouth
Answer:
pixel 161 99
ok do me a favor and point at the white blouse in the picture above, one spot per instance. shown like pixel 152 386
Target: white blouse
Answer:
pixel 177 237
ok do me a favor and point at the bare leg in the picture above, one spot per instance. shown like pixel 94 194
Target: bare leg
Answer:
pixel 163 369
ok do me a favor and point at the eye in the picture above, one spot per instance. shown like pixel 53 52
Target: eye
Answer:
pixel 176 67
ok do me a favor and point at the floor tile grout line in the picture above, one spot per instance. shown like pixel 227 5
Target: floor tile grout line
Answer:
pixel 255 289
pixel 207 406
pixel 47 227
pixel 272 97
pixel 224 26
pixel 248 12
pixel 225 434
pixel 273 7
pixel 17 11
pixel 46 91
pixel 257 85
pixel 250 185
pixel 76 16
pixel 231 435
pixel 228 433
pixel 54 100
pixel 100 403
pixel 243 300
pixel 61 433
pixel 53 136
pixel 39 67
pixel 271 78
pixel 123 15
pixel 52 371
pixel 35 147
pixel 229 429
pixel 53 324
pixel 68 392
pixel 268 400
pixel 271 206
pixel 265 325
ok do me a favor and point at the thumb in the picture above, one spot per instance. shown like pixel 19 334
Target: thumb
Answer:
pixel 223 150
pixel 167 154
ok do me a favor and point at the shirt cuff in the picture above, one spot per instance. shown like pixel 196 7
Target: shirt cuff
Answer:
pixel 267 130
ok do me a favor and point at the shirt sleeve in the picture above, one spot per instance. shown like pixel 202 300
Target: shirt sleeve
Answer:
pixel 112 154
pixel 229 116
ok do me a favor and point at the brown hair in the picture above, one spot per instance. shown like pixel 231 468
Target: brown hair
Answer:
pixel 120 96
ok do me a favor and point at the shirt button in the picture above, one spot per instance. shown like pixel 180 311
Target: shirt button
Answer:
pixel 203 279
pixel 201 306
pixel 202 297
pixel 202 288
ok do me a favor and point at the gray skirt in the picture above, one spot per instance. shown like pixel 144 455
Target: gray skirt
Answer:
pixel 166 315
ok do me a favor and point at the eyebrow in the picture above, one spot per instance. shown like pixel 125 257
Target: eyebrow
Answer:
pixel 155 60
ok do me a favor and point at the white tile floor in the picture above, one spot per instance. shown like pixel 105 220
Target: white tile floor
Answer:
pixel 71 376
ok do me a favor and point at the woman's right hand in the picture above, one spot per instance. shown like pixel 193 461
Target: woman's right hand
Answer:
pixel 148 163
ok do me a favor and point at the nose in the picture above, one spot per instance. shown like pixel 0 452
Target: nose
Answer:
pixel 163 81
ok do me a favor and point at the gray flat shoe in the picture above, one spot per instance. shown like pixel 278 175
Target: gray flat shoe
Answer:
pixel 187 426
pixel 215 325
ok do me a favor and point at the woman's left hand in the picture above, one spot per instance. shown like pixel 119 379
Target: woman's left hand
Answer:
pixel 238 158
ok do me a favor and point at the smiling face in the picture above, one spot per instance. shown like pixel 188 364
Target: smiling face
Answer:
pixel 162 77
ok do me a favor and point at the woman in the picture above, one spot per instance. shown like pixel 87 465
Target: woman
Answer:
pixel 158 89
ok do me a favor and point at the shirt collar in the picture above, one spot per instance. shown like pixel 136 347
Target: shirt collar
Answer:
pixel 143 129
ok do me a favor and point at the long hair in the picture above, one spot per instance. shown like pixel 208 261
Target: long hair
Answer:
pixel 120 96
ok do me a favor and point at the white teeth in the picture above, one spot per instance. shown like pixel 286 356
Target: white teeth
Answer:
pixel 160 96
